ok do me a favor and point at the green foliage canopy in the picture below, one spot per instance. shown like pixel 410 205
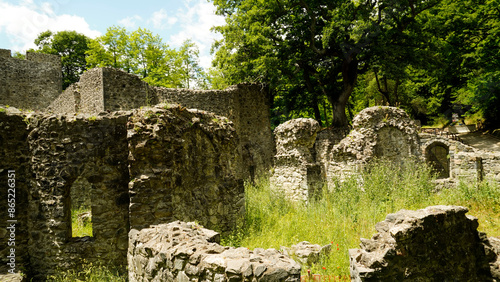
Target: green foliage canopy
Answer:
pixel 143 53
pixel 71 46
pixel 309 50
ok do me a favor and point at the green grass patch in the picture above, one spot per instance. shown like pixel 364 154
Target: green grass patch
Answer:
pixel 81 222
pixel 350 210
pixel 89 273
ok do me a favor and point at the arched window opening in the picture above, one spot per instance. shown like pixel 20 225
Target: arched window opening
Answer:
pixel 81 208
pixel 437 155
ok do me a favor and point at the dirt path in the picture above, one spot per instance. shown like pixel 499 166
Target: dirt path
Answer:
pixel 481 141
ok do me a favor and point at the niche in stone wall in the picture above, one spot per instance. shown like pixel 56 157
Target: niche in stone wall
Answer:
pixel 437 155
pixel 81 207
pixel 392 144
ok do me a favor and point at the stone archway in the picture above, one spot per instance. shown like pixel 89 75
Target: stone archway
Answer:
pixel 437 155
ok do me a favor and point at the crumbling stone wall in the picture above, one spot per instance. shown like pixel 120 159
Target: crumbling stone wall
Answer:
pixel 386 132
pixel 184 165
pixel 139 168
pixel 68 102
pixel 181 251
pixel 30 84
pixel 246 105
pixel 306 159
pixel 64 149
pixel 296 171
pixel 14 157
pixel 439 243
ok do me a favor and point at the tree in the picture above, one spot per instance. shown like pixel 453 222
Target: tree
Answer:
pixel 311 50
pixel 71 46
pixel 188 57
pixel 143 53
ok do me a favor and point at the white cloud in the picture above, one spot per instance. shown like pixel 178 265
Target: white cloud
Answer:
pixel 23 22
pixel 195 24
pixel 160 17
pixel 130 22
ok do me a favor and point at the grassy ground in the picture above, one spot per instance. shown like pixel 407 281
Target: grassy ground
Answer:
pixel 351 210
pixel 80 227
pixel 89 273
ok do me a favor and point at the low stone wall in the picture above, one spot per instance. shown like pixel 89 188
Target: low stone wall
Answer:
pixel 187 252
pixel 439 243
pixel 68 102
pixel 296 171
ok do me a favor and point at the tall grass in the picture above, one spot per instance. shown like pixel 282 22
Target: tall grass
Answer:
pixel 89 273
pixel 350 210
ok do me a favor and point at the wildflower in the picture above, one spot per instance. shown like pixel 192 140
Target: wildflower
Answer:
pixel 324 268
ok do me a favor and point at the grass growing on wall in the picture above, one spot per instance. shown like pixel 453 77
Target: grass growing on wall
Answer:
pixel 351 210
pixel 80 227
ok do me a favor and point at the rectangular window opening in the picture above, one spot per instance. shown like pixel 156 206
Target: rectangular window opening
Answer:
pixel 81 208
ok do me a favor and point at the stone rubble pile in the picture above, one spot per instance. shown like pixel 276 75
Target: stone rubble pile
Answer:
pixel 306 253
pixel 181 251
pixel 438 243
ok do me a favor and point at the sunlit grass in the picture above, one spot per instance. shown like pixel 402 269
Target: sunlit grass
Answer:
pixel 89 273
pixel 351 209
pixel 81 226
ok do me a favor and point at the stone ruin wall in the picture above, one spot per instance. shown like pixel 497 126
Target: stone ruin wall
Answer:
pixel 378 132
pixel 438 243
pixel 246 105
pixel 30 84
pixel 184 165
pixel 296 171
pixel 54 151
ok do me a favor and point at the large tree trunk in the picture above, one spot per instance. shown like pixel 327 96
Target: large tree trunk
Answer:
pixel 339 102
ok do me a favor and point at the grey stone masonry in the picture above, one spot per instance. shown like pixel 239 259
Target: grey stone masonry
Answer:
pixel 246 105
pixel 30 84
pixel 438 243
pixel 181 251
pixel 137 168
pixel 184 165
pixel 296 171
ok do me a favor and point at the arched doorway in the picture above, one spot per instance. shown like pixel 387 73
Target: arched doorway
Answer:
pixel 437 155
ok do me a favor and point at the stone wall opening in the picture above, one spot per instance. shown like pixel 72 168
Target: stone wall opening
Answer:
pixel 437 155
pixel 81 207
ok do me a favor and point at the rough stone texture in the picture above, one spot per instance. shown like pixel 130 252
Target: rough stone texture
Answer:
pixel 68 102
pixel 14 155
pixel 30 84
pixel 306 253
pixel 64 149
pixel 184 165
pixel 326 139
pixel 380 132
pixel 246 105
pixel 181 251
pixel 115 82
pixel 296 171
pixel 439 243
pixel 177 163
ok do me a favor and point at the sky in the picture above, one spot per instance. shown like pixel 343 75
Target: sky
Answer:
pixel 173 20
